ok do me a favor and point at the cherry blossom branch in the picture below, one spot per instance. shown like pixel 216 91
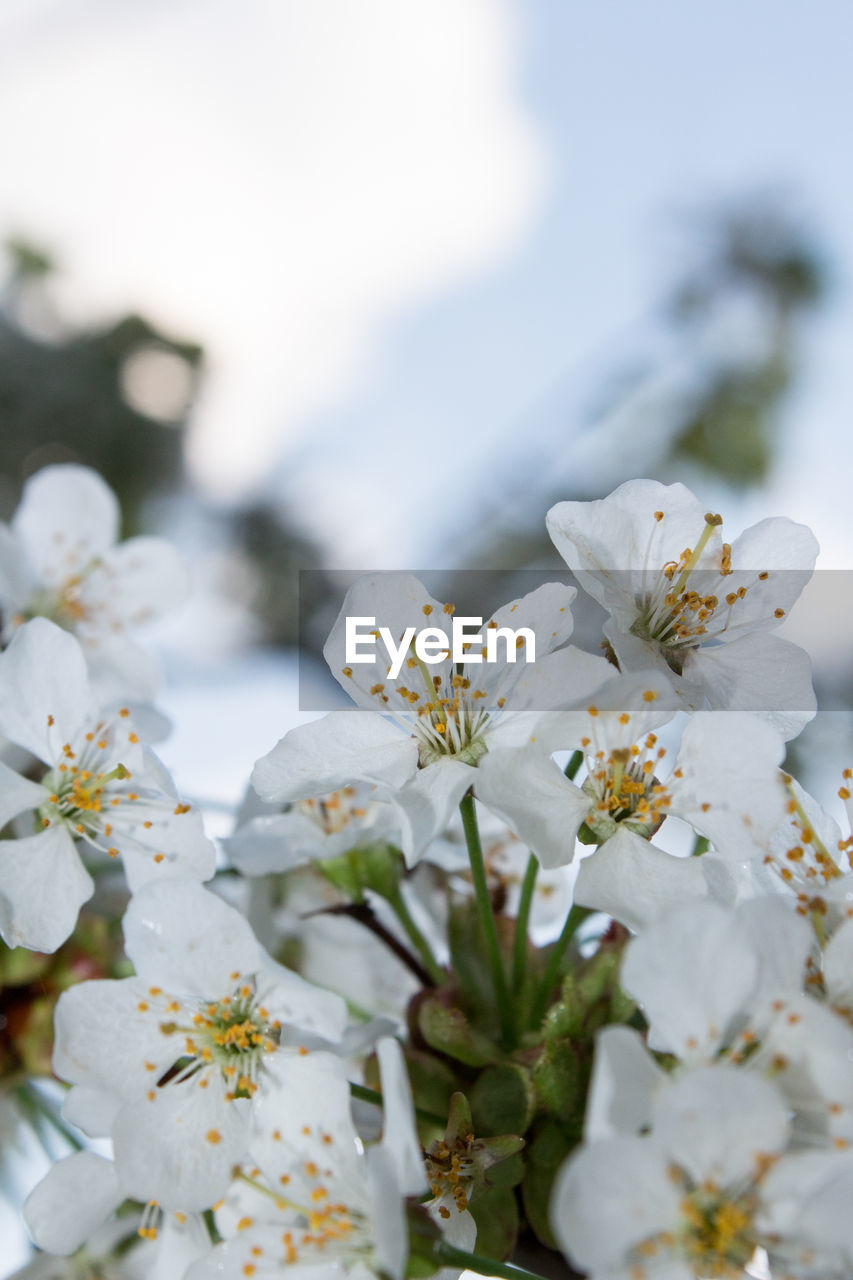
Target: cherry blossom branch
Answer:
pixel 364 914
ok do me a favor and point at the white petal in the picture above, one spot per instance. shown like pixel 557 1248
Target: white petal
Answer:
pixel 301 1114
pixel 18 794
pixel 275 842
pixel 807 1200
pixel 173 846
pixel 389 1219
pixel 610 542
pixel 719 1123
pixel 396 601
pixel 186 939
pixel 635 882
pixel 426 804
pixel 730 787
pixel 781 941
pixel 137 581
pixel 122 672
pixel 327 754
pixel 90 1110
pixel 645 698
pixel 180 1145
pixel 458 1229
pixel 838 965
pixel 609 1197
pixel 281 841
pixel 44 689
pixel 532 795
pixel 625 1082
pixel 693 973
pixel 71 1202
pixel 760 673
pixel 17 582
pixel 106 1032
pixel 43 885
pixel 398 1129
pixel 67 516
pixel 547 613
pixel 787 552
pixel 300 1004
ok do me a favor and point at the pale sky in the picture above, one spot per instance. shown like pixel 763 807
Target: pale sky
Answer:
pixel 395 226
pixel 277 179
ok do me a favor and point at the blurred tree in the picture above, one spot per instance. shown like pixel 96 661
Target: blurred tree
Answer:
pixel 758 256
pixel 710 397
pixel 94 396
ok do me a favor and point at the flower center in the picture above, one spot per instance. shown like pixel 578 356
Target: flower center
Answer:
pixel 716 1234
pixel 63 604
pixel 451 1170
pixel 620 779
pixel 334 812
pixel 231 1034
pixel 450 720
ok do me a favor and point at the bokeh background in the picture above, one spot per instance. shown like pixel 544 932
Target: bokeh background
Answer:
pixel 352 285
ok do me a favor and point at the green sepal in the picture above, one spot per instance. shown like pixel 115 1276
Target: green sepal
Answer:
pixel 502 1100
pixel 433 1082
pixel 469 961
pixel 447 1030
pixel 495 1212
pixel 424 1235
pixel 508 1169
pixel 378 867
pixel 560 1078
pixel 545 1154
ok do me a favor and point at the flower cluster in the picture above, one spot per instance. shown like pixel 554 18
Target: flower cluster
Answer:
pixel 455 983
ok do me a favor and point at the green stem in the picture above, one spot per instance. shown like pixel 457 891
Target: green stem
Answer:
pixel 519 950
pixel 449 1254
pixel 487 919
pixel 364 1094
pixel 416 938
pixel 575 762
pixel 574 919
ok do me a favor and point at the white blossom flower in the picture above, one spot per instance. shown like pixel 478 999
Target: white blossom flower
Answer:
pixel 446 718
pixel 171 1062
pixel 692 606
pixel 708 978
pixel 312 830
pixel 724 781
pixel 315 1198
pixel 71 1216
pixel 704 1190
pixel 59 559
pixel 808 854
pixel 102 788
